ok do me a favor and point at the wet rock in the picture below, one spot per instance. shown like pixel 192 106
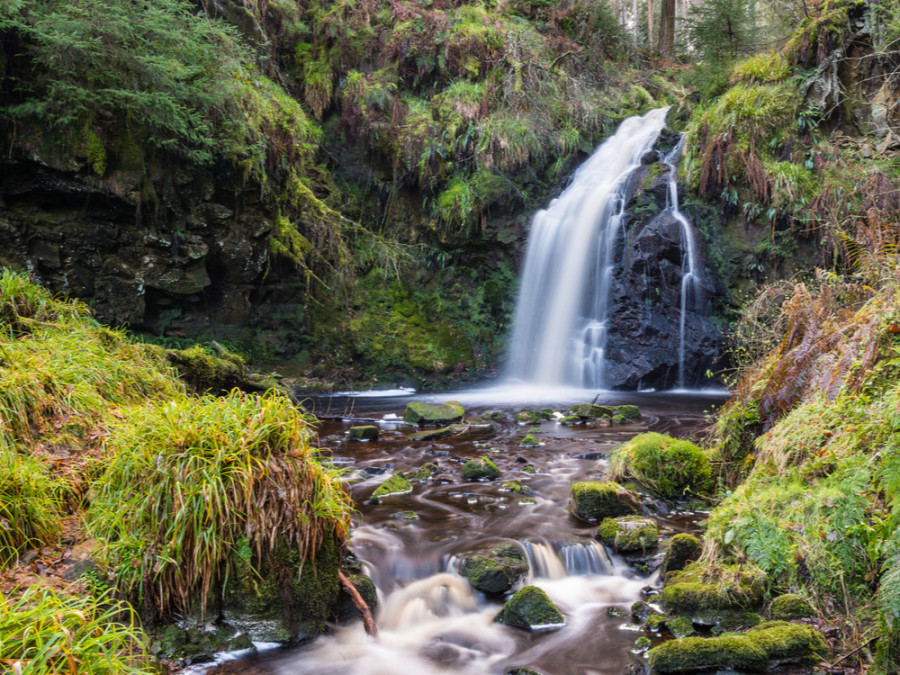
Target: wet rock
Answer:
pixel 680 627
pixel 495 571
pixel 493 415
pixel 346 609
pixel 480 469
pixel 423 474
pixel 364 433
pixel 688 592
pixel 591 455
pixel 529 416
pixel 570 420
pixel 522 671
pixel 589 411
pixel 791 606
pixel 531 609
pixel 529 441
pixel 682 549
pixel 775 642
pixel 630 413
pixel 629 534
pixel 395 485
pixel 593 501
pixel 429 414
pixel 430 434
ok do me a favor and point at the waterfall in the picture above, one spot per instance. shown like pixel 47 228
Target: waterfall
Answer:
pixel 690 278
pixel 560 327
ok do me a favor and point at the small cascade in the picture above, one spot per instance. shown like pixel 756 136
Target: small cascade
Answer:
pixel 581 558
pixel 560 329
pixel 690 277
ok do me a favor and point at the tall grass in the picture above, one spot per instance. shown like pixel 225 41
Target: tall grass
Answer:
pixel 29 509
pixel 43 632
pixel 193 482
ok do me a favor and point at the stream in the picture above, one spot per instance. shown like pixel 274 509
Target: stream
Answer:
pixel 430 620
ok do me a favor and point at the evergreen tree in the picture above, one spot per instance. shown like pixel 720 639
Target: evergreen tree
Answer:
pixel 721 29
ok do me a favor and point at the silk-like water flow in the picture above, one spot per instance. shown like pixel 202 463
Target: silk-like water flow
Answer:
pixel 430 619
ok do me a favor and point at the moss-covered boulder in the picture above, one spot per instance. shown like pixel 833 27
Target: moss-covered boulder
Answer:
pixel 529 416
pixel 593 501
pixel 683 548
pixel 680 627
pixel 670 467
pixel 205 372
pixel 196 645
pixel 791 606
pixel 495 571
pixel 430 434
pixel 529 441
pixel 481 468
pixel 628 413
pixel 423 474
pixel 394 485
pixel 629 534
pixel 589 411
pixel 570 420
pixel 758 649
pixel 430 414
pixel 346 609
pixel 733 588
pixel 531 609
pixel 364 433
pixel 282 598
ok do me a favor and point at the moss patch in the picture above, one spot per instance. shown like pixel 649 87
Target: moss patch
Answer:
pixel 733 587
pixel 629 534
pixel 531 609
pixel 480 469
pixel 428 414
pixel 496 571
pixel 395 485
pixel 670 467
pixel 791 606
pixel 593 501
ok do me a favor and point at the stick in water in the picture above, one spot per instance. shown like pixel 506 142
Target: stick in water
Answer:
pixel 361 605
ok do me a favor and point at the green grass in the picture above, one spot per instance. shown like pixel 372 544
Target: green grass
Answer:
pixel 43 632
pixel 29 506
pixel 192 482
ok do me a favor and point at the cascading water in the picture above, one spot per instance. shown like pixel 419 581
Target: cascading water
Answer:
pixel 690 279
pixel 564 313
pixel 560 327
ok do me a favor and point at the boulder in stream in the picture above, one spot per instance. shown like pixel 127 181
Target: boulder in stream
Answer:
pixel 589 411
pixel 436 415
pixel 531 609
pixel 593 501
pixel 495 571
pixel 629 534
pixel 430 434
pixel 481 468
pixel 368 432
pixel 395 485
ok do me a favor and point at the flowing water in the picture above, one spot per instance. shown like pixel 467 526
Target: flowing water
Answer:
pixel 430 620
pixel 560 326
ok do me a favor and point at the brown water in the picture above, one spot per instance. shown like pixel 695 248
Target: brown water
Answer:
pixel 430 620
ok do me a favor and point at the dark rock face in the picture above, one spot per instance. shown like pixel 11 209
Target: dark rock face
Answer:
pixel 645 298
pixel 173 250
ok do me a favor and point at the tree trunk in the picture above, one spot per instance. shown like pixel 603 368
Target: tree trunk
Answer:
pixel 650 9
pixel 666 43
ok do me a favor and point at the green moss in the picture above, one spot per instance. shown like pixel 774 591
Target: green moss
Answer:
pixel 680 627
pixel 431 434
pixel 593 501
pixel 682 549
pixel 480 469
pixel 495 572
pixel 642 644
pixel 654 621
pixel 668 466
pixel 786 642
pixel 95 152
pixel 791 606
pixel 764 67
pixel 591 411
pixel 434 415
pixel 629 412
pixel 531 609
pixel 205 372
pixel 395 485
pixel 529 441
pixel 691 654
pixel 570 420
pixel 364 433
pixel 528 416
pixel 629 534
pixel 733 587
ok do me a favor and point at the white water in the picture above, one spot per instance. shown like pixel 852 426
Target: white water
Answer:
pixel 560 328
pixel 690 277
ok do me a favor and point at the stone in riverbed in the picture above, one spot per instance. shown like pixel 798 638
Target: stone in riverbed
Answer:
pixel 629 534
pixel 628 413
pixel 531 609
pixel 430 434
pixel 593 501
pixel 496 571
pixel 529 416
pixel 480 469
pixel 395 485
pixel 429 414
pixel 529 441
pixel 683 548
pixel 589 411
pixel 365 433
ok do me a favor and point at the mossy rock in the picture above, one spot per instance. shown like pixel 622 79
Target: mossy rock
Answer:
pixel 683 548
pixel 570 420
pixel 496 571
pixel 423 473
pixel 695 653
pixel 687 592
pixel 493 415
pixel 282 598
pixel 791 606
pixel 629 534
pixel 531 609
pixel 680 627
pixel 430 434
pixel 629 413
pixel 548 413
pixel 589 411
pixel 788 642
pixel 522 671
pixel 346 609
pixel 480 469
pixel 668 466
pixel 642 644
pixel 204 372
pixel 529 441
pixel 529 416
pixel 437 415
pixel 364 433
pixel 593 501
pixel 394 485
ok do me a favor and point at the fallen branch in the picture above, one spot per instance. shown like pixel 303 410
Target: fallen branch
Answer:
pixel 361 605
pixel 848 654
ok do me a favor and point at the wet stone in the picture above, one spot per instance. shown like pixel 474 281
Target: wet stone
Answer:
pixel 531 609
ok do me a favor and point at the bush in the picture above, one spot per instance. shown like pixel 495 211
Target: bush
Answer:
pixel 196 481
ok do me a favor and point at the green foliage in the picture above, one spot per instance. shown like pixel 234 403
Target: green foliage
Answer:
pixel 720 29
pixel 43 632
pixel 187 481
pixel 761 68
pixel 29 507
pixel 670 467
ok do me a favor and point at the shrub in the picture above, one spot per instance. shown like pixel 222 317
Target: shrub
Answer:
pixel 195 481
